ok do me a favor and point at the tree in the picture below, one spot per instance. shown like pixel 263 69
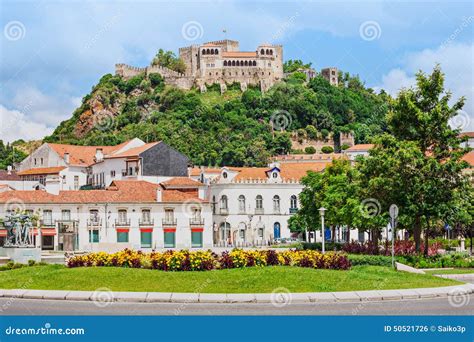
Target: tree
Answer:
pixel 420 167
pixel 169 60
pixel 293 65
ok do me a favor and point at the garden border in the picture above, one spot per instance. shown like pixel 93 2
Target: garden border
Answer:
pixel 309 297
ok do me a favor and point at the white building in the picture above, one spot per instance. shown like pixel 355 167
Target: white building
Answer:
pixel 358 150
pixel 128 214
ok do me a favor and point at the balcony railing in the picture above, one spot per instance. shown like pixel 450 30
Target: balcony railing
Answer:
pixel 146 222
pixel 122 223
pixel 224 211
pixel 259 211
pixel 293 210
pixel 129 173
pixel 196 221
pixel 94 222
pixel 169 222
pixel 47 223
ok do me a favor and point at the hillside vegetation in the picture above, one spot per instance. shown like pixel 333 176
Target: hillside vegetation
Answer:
pixel 234 128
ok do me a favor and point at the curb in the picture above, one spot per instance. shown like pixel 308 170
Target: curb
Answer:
pixel 456 276
pixel 235 298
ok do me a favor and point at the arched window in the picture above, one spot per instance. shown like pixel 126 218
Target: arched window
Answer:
pixel 267 52
pixel 224 203
pixel 293 203
pixel 214 204
pixel 212 51
pixel 271 52
pixel 225 63
pixel 204 51
pixel 254 63
pixel 233 63
pixel 276 204
pixel 216 52
pixel 246 63
pixel 241 63
pixel 259 202
pixel 237 63
pixel 242 204
pixel 208 52
pixel 262 51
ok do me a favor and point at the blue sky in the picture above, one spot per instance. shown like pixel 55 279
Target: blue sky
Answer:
pixel 52 53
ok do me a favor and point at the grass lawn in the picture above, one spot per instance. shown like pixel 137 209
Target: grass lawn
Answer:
pixel 453 271
pixel 248 280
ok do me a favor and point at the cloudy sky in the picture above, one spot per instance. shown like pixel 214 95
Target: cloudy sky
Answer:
pixel 53 52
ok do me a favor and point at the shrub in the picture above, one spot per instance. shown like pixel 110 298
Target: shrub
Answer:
pixel 309 150
pixel 372 260
pixel 344 147
pixel 318 246
pixel 327 149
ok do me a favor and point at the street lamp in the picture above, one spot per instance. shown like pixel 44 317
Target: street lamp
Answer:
pixel 321 213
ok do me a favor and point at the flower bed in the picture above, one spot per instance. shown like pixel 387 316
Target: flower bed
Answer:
pixel 185 260
pixel 401 248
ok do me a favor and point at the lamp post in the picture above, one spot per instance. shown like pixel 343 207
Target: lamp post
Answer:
pixel 321 213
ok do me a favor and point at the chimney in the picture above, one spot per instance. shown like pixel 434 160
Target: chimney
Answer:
pixel 66 158
pixel 159 194
pixel 52 185
pixel 9 169
pixel 99 155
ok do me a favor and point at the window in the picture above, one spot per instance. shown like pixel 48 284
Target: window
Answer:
pixel 66 215
pixel 122 236
pixel 224 175
pixel 94 215
pixel 41 161
pixel 242 203
pixel 259 202
pixel 196 239
pixel 145 239
pixel 122 216
pixel 214 204
pixel 293 202
pixel 112 173
pixel 275 174
pixel 260 232
pixel 93 235
pixel 276 204
pixel 146 216
pixel 169 215
pixel 76 182
pixel 47 217
pixel 35 161
pixel 169 239
pixel 224 204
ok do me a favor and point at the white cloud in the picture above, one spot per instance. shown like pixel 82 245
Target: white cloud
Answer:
pixel 456 61
pixel 15 125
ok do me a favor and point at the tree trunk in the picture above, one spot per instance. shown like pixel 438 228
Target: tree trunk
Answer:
pixel 375 240
pixel 427 238
pixel 417 234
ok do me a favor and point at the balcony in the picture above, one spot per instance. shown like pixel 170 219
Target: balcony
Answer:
pixel 196 221
pixel 259 211
pixel 169 222
pixel 146 222
pixel 224 211
pixel 130 172
pixel 48 223
pixel 94 222
pixel 122 223
pixel 293 210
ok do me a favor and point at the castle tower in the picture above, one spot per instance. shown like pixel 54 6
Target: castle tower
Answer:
pixel 331 74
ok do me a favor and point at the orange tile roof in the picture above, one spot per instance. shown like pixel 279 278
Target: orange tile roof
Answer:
pixel 6 175
pixel 133 152
pixel 315 156
pixel 360 147
pixel 467 134
pixel 118 192
pixel 196 171
pixel 42 171
pixel 288 171
pixel 181 182
pixel 83 155
pixel 239 54
pixel 469 157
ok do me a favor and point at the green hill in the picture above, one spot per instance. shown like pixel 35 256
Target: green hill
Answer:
pixel 234 128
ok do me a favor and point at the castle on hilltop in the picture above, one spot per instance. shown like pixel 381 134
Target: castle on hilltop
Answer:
pixel 221 62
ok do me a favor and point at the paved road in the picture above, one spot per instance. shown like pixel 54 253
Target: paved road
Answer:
pixel 435 306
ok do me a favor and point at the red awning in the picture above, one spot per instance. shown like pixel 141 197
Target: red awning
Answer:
pixel 146 230
pixel 48 231
pixel 169 230
pixel 123 230
pixel 197 230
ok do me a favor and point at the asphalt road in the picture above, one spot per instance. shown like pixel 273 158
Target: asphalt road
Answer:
pixel 434 306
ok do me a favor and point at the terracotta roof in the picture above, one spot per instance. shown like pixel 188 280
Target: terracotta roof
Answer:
pixel 83 155
pixel 288 171
pixel 469 157
pixel 196 171
pixel 133 152
pixel 239 54
pixel 467 134
pixel 181 182
pixel 9 176
pixel 315 156
pixel 42 171
pixel 118 192
pixel 360 147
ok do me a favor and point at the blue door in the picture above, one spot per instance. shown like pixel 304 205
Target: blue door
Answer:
pixel 276 230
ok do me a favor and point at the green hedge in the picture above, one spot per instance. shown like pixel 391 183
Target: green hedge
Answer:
pixel 318 246
pixel 372 260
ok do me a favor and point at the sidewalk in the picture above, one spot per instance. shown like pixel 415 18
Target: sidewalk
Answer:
pixel 310 297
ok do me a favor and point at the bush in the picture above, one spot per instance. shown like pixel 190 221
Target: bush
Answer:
pixel 460 260
pixel 344 147
pixel 372 260
pixel 206 260
pixel 318 246
pixel 309 150
pixel 327 149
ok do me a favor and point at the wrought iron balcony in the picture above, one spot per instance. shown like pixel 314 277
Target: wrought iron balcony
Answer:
pixel 122 223
pixel 224 211
pixel 146 222
pixel 293 210
pixel 169 222
pixel 196 221
pixel 94 222
pixel 48 223
pixel 259 211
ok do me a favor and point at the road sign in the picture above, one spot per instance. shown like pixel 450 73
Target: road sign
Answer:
pixel 393 211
